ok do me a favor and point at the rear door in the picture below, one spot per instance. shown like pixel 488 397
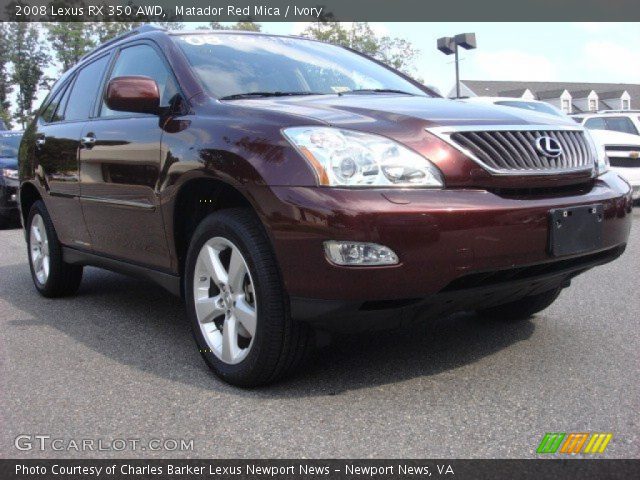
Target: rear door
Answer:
pixel 57 140
pixel 56 162
pixel 120 167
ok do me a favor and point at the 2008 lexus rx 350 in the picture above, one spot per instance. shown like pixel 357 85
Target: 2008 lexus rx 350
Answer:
pixel 285 186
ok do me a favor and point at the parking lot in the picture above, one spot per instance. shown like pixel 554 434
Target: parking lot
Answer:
pixel 118 362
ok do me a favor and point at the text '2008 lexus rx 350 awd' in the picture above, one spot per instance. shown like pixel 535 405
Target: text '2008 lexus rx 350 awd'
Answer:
pixel 284 187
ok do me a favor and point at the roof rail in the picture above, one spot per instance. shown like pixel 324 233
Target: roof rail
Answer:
pixel 138 30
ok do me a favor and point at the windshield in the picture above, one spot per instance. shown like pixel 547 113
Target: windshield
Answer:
pixel 9 144
pixel 237 64
pixel 536 107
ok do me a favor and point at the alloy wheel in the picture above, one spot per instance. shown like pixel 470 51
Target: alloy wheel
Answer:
pixel 39 245
pixel 225 301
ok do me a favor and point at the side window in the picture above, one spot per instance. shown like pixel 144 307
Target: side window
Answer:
pixel 84 90
pixel 59 114
pixel 621 124
pixel 49 114
pixel 595 123
pixel 143 60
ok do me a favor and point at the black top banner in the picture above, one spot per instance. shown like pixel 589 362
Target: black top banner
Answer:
pixel 319 10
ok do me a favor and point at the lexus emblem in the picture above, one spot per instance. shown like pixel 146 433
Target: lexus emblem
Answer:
pixel 549 147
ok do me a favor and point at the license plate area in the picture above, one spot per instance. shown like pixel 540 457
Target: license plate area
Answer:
pixel 575 229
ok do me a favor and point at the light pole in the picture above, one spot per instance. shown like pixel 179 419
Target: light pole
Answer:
pixel 449 45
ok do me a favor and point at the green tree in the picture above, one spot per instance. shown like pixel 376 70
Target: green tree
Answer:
pixel 170 25
pixel 28 59
pixel 247 26
pixel 112 28
pixel 69 41
pixel 5 79
pixel 5 118
pixel 113 25
pixel 393 51
pixel 109 29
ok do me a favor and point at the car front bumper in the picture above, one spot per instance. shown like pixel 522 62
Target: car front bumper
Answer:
pixel 9 198
pixel 632 176
pixel 440 237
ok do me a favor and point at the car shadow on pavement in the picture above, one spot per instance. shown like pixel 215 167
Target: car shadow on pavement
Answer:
pixel 138 324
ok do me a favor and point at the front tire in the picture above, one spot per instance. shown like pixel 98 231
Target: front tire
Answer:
pixel 237 304
pixel 51 276
pixel 523 308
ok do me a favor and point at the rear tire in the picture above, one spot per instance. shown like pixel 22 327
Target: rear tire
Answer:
pixel 51 276
pixel 240 314
pixel 523 308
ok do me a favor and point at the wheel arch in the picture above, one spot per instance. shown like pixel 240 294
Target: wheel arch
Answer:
pixel 29 194
pixel 195 199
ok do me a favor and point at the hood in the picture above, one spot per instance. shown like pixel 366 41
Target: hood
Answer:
pixel 359 110
pixel 611 137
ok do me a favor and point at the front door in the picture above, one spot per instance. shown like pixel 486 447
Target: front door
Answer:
pixel 120 168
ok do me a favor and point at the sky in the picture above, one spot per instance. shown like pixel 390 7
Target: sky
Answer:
pixel 579 52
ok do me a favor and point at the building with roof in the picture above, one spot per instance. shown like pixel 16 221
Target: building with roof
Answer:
pixel 570 97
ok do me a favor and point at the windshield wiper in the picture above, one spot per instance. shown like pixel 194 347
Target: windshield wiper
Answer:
pixel 377 90
pixel 239 96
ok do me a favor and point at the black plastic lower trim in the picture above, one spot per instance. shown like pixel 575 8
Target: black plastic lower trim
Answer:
pixel 471 292
pixel 79 257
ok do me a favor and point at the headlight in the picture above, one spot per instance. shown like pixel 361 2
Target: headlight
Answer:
pixel 10 173
pixel 602 161
pixel 345 158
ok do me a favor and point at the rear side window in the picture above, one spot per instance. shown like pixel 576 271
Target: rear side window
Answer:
pixel 595 123
pixel 143 60
pixel 621 124
pixel 52 113
pixel 84 90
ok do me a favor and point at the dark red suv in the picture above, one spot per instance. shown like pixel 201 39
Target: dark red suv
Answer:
pixel 285 186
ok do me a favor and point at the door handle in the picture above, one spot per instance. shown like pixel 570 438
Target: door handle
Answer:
pixel 88 141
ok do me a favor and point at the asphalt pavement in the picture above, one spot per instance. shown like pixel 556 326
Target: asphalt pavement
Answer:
pixel 117 364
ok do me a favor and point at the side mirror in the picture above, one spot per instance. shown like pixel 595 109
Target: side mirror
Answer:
pixel 133 94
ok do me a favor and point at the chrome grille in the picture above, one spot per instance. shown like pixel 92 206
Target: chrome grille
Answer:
pixel 513 151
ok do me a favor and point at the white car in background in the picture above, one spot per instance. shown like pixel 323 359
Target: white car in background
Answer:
pixel 618 131
pixel 624 121
pixel 623 149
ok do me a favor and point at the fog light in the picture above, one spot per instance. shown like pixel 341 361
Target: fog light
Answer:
pixel 13 197
pixel 359 253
